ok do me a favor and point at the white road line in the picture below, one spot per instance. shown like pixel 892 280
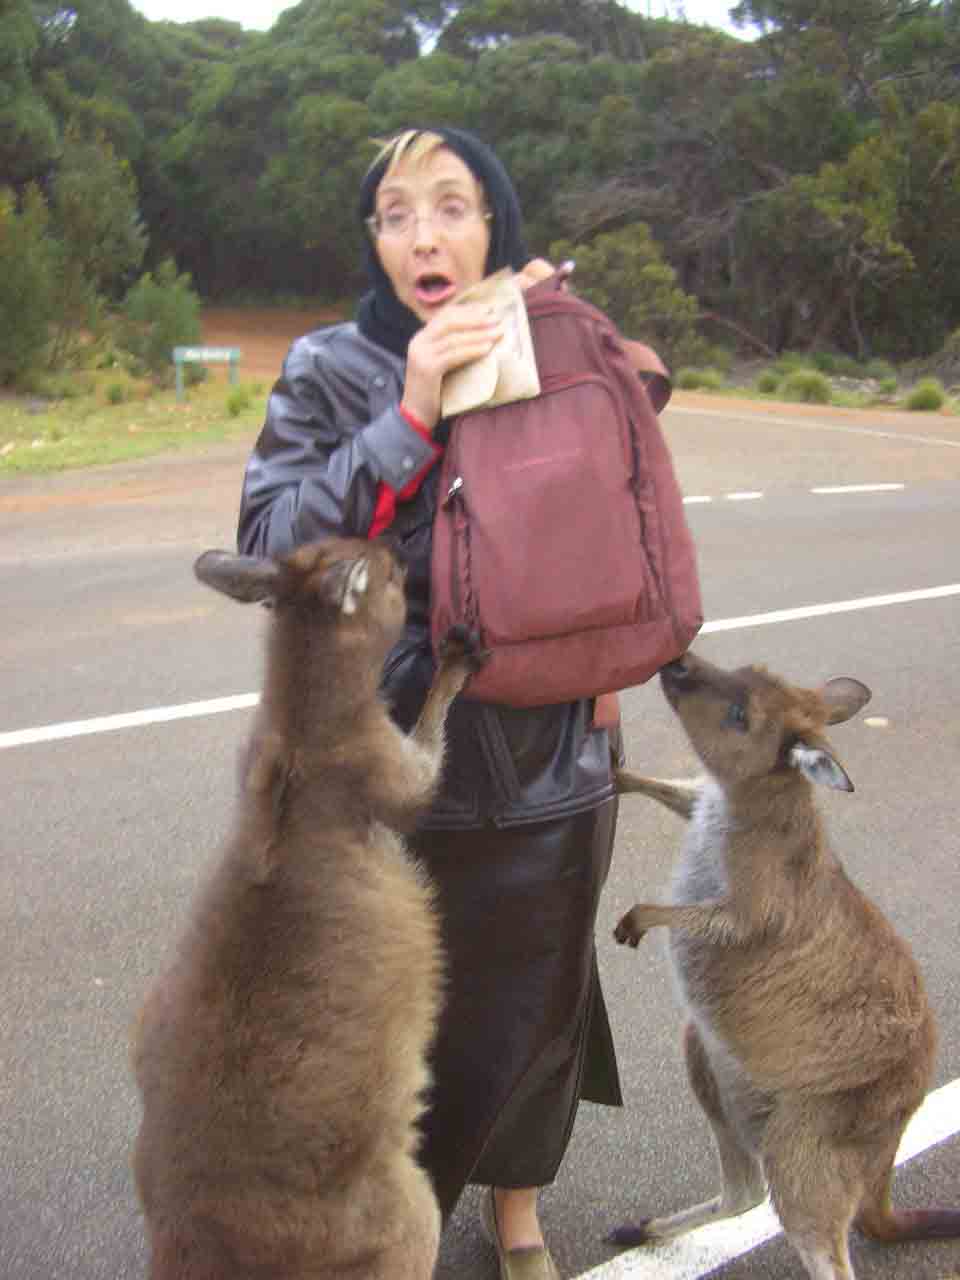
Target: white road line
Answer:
pixel 856 488
pixel 751 495
pixel 703 1251
pixel 809 424
pixel 236 702
pixel 127 720
pixel 822 610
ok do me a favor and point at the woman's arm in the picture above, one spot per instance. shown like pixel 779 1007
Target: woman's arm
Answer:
pixel 318 468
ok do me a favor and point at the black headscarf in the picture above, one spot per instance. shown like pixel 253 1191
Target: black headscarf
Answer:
pixel 381 315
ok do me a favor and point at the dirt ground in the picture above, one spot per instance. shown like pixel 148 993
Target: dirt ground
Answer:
pixel 263 335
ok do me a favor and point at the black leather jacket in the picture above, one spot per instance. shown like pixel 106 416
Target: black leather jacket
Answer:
pixel 333 432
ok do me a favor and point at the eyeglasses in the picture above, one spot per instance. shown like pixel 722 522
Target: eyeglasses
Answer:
pixel 452 217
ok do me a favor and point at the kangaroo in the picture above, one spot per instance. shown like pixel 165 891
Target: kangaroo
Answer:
pixel 282 1057
pixel 809 1041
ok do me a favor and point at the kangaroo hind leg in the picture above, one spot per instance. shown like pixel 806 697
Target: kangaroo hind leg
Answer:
pixel 744 1186
pixel 815 1190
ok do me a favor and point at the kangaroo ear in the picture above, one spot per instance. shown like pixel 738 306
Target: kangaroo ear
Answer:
pixel 248 579
pixel 816 763
pixel 345 583
pixel 844 697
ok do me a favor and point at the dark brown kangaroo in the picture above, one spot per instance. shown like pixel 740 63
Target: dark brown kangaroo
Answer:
pixel 809 1041
pixel 281 1058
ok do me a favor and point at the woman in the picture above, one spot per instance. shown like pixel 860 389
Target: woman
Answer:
pixel 519 841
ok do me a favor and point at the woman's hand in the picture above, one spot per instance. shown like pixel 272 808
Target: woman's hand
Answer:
pixel 461 332
pixel 538 269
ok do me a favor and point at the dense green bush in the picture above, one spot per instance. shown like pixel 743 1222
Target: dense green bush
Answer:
pixel 808 385
pixel 767 381
pixel 161 311
pixel 238 400
pixel 625 274
pixel 26 283
pixel 699 379
pixel 927 396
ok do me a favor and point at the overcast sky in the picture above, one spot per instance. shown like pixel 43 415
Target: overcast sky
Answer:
pixel 261 14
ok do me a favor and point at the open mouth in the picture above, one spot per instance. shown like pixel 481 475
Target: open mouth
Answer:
pixel 433 288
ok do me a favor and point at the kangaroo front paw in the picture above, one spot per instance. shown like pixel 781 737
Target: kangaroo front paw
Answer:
pixel 461 644
pixel 631 928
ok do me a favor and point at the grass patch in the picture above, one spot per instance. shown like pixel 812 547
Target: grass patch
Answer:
pixel 93 429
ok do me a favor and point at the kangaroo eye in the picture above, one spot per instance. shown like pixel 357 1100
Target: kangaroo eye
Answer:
pixel 736 717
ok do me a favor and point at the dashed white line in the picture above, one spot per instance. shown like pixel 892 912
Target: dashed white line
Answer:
pixel 753 495
pixel 857 488
pixel 703 1251
pixel 236 702
pixel 127 720
pixel 823 610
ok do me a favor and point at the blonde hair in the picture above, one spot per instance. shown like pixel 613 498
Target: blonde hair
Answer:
pixel 413 145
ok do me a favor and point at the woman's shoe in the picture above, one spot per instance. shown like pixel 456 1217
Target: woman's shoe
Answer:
pixel 531 1263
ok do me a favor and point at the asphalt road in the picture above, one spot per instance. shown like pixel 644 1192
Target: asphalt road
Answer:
pixel 103 835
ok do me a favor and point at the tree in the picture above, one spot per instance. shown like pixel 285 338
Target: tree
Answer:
pixel 161 311
pixel 26 281
pixel 99 236
pixel 28 131
pixel 624 274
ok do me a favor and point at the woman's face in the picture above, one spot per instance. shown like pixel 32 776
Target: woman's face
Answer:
pixel 433 233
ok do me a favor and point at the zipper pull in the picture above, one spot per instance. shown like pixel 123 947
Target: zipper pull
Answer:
pixel 452 491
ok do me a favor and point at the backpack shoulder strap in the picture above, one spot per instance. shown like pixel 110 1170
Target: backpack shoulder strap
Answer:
pixel 651 371
pixel 649 368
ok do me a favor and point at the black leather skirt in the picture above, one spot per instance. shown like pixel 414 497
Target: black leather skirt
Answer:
pixel 524 1032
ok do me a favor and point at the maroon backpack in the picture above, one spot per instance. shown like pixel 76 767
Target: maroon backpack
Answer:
pixel 560 535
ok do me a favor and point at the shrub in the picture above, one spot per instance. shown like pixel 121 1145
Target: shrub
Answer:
pixel 807 385
pixel 625 274
pixel 767 381
pixel 877 368
pixel 789 362
pixel 117 392
pixel 699 379
pixel 161 312
pixel 825 361
pixel 847 367
pixel 238 400
pixel 26 283
pixel 927 396
pixel 887 387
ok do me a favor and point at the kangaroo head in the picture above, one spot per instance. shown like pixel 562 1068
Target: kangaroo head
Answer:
pixel 748 724
pixel 345 582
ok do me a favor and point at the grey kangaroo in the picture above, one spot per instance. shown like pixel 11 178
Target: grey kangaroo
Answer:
pixel 282 1057
pixel 809 1041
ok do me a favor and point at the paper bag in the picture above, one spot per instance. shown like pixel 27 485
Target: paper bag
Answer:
pixel 509 371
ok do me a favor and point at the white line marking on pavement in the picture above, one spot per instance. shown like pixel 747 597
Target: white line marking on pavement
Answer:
pixel 822 610
pixel 190 710
pixel 127 720
pixel 856 488
pixel 807 424
pixel 703 1251
pixel 751 495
